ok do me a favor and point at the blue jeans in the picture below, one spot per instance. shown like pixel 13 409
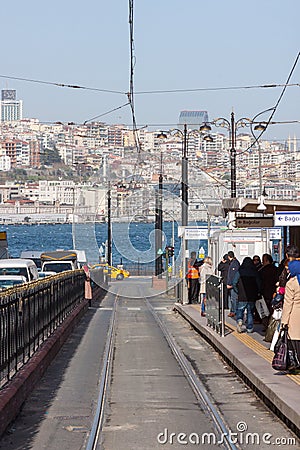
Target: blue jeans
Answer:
pixel 241 307
pixel 203 300
pixel 232 300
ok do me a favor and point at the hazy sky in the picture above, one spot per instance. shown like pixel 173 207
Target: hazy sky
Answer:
pixel 186 44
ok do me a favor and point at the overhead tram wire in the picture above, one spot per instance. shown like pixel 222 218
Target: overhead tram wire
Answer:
pixel 221 88
pixel 105 114
pixel 130 94
pixel 163 91
pixel 274 108
pixel 63 85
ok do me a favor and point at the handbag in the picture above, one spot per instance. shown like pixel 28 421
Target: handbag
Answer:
pixel 261 307
pixel 280 359
pixel 293 361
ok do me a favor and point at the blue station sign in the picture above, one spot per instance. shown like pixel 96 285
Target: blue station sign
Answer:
pixel 287 218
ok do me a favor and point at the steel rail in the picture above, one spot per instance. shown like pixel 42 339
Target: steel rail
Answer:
pixel 195 383
pixel 103 383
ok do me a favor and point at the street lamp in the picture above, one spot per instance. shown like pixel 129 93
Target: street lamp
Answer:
pixel 185 134
pixel 159 218
pixel 232 126
pixel 261 128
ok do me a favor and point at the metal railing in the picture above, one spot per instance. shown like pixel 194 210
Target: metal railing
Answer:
pixel 215 304
pixel 31 313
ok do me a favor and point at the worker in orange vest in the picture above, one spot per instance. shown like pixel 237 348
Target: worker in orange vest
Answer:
pixel 192 277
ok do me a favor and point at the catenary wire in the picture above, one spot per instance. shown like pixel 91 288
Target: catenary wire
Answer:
pixel 163 91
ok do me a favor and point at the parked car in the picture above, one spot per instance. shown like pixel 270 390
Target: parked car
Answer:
pixel 19 266
pixel 46 274
pixel 115 272
pixel 9 281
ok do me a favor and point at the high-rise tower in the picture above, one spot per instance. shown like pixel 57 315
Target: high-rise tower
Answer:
pixel 193 119
pixel 11 109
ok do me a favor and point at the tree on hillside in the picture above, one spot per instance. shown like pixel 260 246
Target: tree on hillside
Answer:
pixel 50 156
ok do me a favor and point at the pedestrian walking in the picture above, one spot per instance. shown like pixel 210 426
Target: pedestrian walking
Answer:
pixel 192 278
pixel 233 268
pixel 257 262
pixel 223 268
pixel 88 294
pixel 205 270
pixel 291 253
pixel 247 285
pixel 291 310
pixel 258 265
pixel 269 276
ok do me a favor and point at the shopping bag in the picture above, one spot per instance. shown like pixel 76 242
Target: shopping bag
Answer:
pixel 273 324
pixel 275 337
pixel 262 308
pixel 277 313
pixel 280 359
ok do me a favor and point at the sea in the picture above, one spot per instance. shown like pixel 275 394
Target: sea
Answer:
pixel 132 243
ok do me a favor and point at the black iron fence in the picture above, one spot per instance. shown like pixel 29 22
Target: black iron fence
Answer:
pixel 214 304
pixel 140 269
pixel 30 314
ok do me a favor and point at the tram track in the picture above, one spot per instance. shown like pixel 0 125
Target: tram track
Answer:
pixel 195 383
pixel 104 381
pixel 202 396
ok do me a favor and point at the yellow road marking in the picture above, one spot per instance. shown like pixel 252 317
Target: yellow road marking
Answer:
pixel 257 347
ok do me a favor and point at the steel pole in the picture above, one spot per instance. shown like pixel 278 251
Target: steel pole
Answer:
pixel 159 225
pixel 184 183
pixel 233 157
pixel 109 259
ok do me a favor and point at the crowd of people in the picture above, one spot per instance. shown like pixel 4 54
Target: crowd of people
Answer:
pixel 253 289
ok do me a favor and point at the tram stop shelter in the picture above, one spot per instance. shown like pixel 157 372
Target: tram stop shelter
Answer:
pixel 248 206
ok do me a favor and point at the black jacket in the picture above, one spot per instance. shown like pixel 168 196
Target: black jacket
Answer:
pixel 223 267
pixel 247 284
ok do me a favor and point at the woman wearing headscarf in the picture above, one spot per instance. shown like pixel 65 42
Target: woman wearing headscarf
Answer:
pixel 247 284
pixel 291 307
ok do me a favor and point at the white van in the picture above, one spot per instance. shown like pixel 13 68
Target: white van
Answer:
pixel 18 266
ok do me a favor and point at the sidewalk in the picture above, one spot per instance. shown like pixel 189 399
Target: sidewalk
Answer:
pixel 250 356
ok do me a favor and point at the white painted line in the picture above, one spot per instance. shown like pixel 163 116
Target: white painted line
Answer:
pixel 133 309
pixel 160 308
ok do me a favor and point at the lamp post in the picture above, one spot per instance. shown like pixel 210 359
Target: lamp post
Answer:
pixel 109 246
pixel 261 197
pixel 185 134
pixel 184 180
pixel 159 218
pixel 159 224
pixel 232 126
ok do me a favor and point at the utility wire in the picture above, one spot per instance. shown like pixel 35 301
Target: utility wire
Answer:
pixel 222 88
pixel 104 114
pixel 273 109
pixel 72 86
pixel 163 91
pixel 130 94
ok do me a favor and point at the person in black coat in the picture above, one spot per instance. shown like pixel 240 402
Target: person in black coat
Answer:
pixel 233 268
pixel 223 268
pixel 247 284
pixel 269 276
